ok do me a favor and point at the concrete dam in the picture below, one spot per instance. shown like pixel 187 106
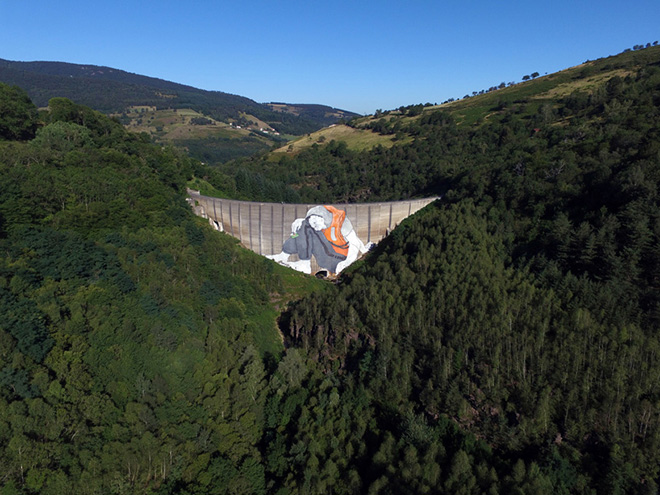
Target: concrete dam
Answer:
pixel 265 227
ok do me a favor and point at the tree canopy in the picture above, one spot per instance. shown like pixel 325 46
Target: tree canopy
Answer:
pixel 503 340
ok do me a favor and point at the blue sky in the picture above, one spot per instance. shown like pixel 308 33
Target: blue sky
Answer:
pixel 358 55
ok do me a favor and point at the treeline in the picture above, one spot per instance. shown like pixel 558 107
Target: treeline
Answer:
pixel 220 149
pixel 442 139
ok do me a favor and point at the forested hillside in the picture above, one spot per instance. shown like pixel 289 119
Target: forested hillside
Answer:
pixel 442 146
pixel 113 91
pixel 503 340
pixel 525 306
pixel 133 339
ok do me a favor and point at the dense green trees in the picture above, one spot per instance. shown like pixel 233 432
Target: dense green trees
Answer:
pixel 18 115
pixel 504 340
pixel 524 306
pixel 132 338
pixel 440 324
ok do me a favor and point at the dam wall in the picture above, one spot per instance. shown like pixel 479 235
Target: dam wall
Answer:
pixel 264 227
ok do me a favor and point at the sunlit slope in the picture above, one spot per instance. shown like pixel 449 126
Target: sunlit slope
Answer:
pixel 174 124
pixel 587 77
pixel 356 139
pixel 387 128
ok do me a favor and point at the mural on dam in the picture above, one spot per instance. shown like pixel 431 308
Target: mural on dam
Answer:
pixel 306 237
pixel 326 234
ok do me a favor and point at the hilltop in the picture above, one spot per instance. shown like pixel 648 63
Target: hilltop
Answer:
pixel 120 93
pixel 112 90
pixel 389 128
pixel 356 161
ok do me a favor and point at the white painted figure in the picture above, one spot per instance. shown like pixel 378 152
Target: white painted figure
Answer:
pixel 326 234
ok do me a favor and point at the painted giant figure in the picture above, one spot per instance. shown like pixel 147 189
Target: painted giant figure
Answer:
pixel 306 237
pixel 326 234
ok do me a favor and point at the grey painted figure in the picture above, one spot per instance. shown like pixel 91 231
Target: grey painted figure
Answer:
pixel 326 234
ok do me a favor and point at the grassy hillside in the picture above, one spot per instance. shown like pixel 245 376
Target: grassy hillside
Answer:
pixel 204 138
pixel 112 91
pixel 356 139
pixel 388 128
pixel 585 79
pixel 391 155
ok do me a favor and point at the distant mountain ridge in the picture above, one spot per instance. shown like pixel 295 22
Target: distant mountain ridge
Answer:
pixel 112 90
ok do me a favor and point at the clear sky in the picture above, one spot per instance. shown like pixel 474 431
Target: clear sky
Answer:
pixel 357 55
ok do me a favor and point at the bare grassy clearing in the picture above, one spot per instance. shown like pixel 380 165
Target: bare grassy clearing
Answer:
pixel 355 139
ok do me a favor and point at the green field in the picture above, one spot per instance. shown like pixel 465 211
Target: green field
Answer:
pixel 201 136
pixel 356 139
